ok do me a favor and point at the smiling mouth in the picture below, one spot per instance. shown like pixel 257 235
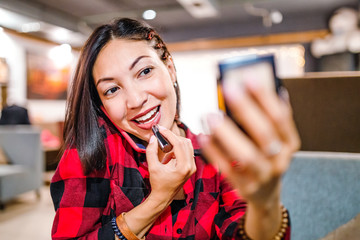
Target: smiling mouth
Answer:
pixel 150 116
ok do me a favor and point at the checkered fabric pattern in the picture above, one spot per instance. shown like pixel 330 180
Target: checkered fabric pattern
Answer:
pixel 85 205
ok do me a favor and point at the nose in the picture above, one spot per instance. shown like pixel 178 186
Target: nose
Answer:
pixel 136 97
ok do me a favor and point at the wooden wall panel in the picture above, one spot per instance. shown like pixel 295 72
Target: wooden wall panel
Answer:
pixel 327 111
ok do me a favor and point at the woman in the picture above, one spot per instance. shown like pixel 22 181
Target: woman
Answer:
pixel 113 181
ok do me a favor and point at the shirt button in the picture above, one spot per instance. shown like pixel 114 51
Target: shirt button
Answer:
pixel 179 231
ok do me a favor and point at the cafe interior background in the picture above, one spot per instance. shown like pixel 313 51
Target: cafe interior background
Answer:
pixel 316 45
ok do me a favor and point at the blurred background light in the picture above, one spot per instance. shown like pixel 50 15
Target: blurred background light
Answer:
pixel 149 14
pixel 31 27
pixel 276 16
pixel 61 55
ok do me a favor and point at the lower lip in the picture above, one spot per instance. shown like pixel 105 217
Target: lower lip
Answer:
pixel 148 125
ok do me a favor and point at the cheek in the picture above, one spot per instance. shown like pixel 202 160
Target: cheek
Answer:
pixel 163 89
pixel 166 94
pixel 169 99
pixel 115 110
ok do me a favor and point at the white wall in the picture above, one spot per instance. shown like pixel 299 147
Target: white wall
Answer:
pixel 197 74
pixel 14 53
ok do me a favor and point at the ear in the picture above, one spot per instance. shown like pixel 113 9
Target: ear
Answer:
pixel 171 68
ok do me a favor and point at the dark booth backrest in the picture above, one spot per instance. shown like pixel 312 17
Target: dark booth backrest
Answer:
pixel 327 112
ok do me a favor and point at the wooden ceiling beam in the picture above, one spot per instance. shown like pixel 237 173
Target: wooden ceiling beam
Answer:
pixel 250 41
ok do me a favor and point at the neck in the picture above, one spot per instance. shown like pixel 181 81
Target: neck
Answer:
pixel 177 130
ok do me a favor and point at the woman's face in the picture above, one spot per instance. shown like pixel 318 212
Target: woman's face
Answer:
pixel 135 86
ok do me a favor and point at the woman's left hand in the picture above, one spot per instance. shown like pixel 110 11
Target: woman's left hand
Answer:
pixel 253 161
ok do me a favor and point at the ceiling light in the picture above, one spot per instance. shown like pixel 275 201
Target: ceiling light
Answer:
pixel 149 14
pixel 200 8
pixel 276 17
pixel 269 17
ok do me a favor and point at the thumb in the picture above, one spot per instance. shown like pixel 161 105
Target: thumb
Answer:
pixel 152 152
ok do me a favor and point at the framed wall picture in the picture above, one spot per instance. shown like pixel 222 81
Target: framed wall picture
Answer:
pixel 46 80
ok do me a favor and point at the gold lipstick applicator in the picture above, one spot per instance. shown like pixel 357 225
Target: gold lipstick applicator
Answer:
pixel 165 146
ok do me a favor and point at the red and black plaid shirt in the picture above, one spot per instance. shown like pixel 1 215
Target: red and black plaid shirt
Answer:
pixel 85 204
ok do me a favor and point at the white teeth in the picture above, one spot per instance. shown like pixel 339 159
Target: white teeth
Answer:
pixel 147 116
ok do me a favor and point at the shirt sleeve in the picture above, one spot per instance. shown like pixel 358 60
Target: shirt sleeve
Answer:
pixel 232 208
pixel 79 201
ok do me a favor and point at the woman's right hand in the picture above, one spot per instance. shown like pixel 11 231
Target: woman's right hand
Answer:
pixel 166 179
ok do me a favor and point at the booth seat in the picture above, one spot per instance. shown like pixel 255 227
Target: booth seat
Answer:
pixel 322 192
pixel 24 170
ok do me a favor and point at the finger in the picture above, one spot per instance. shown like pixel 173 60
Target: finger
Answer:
pixel 277 109
pixel 236 146
pixel 169 135
pixel 243 176
pixel 280 115
pixel 152 153
pixel 168 157
pixel 284 95
pixel 229 137
pixel 182 148
pixel 247 112
pixel 175 139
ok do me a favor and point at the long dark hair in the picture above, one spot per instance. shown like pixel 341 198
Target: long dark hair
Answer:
pixel 81 127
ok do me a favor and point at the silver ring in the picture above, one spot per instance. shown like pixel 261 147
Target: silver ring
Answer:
pixel 274 148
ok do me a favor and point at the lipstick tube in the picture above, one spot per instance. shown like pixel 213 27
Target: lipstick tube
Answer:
pixel 165 146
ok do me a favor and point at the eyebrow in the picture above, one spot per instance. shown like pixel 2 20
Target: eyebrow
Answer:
pixel 130 68
pixel 103 80
pixel 136 61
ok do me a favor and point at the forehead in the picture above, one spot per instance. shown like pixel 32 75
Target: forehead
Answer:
pixel 121 53
pixel 126 48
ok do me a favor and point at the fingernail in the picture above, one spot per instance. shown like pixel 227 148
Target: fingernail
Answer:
pixel 203 139
pixel 152 139
pixel 252 83
pixel 284 95
pixel 213 120
pixel 233 89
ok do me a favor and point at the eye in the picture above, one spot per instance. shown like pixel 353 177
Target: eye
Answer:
pixel 111 91
pixel 145 71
